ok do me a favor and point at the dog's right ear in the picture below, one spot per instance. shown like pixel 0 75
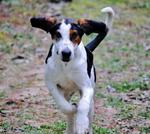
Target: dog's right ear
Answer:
pixel 43 23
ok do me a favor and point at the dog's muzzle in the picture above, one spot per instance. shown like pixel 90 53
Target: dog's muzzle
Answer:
pixel 66 55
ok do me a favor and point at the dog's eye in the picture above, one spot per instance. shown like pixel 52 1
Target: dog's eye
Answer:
pixel 57 35
pixel 73 36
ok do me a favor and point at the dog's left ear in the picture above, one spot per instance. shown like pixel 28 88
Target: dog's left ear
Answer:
pixel 90 26
pixel 44 23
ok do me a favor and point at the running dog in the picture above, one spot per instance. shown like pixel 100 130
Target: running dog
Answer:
pixel 69 66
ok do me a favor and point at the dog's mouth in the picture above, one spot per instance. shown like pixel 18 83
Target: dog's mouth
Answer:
pixel 65 59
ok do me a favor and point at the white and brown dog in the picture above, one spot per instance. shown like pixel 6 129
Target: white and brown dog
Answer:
pixel 69 66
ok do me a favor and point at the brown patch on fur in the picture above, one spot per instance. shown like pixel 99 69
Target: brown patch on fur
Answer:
pixel 82 21
pixel 77 40
pixel 51 20
pixel 74 37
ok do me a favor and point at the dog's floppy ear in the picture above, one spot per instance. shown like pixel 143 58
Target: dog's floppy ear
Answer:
pixel 90 26
pixel 44 23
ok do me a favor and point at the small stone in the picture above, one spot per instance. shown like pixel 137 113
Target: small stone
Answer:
pixel 110 89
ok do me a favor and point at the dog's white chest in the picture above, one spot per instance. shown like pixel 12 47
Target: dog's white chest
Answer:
pixel 66 85
pixel 62 76
pixel 65 82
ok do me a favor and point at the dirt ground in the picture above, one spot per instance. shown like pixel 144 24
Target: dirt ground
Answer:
pixel 122 100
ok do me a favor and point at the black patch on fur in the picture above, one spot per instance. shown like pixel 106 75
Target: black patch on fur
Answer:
pixel 94 27
pixel 78 29
pixel 94 74
pixel 49 53
pixel 97 40
pixel 41 22
pixel 54 29
pixel 89 61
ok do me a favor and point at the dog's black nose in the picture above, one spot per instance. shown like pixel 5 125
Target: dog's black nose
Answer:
pixel 66 53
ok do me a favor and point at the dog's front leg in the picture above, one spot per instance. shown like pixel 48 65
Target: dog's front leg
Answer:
pixel 60 100
pixel 82 120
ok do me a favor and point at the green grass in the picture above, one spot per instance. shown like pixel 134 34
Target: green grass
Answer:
pixel 145 114
pixel 118 58
pixel 100 95
pixel 4 127
pixel 56 128
pixel 145 130
pixel 126 86
pixel 141 4
pixel 2 94
pixel 101 130
pixel 77 8
pixel 115 102
pixel 13 2
pixel 127 111
pixel 59 128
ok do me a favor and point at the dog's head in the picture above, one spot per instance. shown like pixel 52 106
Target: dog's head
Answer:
pixel 66 35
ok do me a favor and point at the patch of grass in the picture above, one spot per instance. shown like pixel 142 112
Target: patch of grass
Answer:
pixel 5 126
pixel 30 129
pixel 145 114
pixel 5 48
pixel 6 38
pixel 2 94
pixel 127 112
pixel 115 102
pixel 115 64
pixel 27 116
pixel 77 8
pixel 147 64
pixel 126 86
pixel 100 95
pixel 56 128
pixel 116 58
pixel 13 2
pixel 145 130
pixel 100 130
pixel 141 4
pixel 59 128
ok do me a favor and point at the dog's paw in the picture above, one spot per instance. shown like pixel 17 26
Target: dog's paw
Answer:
pixel 74 107
pixel 82 125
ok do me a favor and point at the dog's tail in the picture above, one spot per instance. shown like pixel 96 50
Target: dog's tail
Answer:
pixel 97 40
pixel 110 14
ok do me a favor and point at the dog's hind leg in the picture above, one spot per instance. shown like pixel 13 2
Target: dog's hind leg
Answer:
pixel 70 117
pixel 70 124
pixel 91 114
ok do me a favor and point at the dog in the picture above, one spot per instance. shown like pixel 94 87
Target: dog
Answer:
pixel 69 66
